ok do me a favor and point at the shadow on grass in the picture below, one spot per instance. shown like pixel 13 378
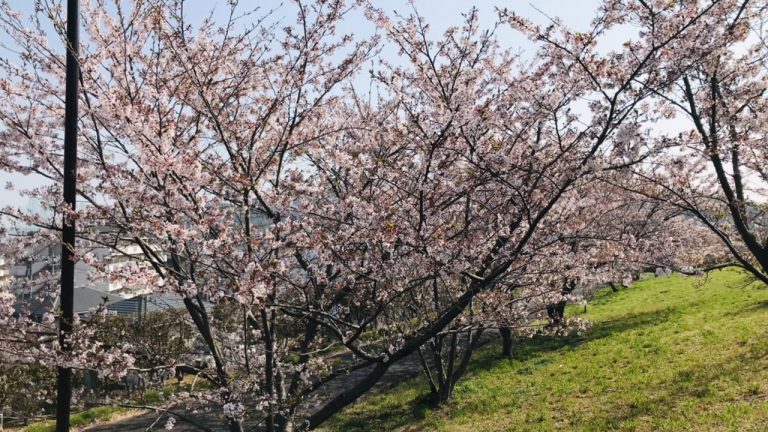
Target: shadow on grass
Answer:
pixel 527 349
pixel 696 383
pixel 384 418
pixel 752 308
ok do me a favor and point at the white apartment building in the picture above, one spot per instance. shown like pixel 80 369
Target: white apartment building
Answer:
pixel 5 270
pixel 47 258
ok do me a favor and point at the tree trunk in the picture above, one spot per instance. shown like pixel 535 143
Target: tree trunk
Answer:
pixel 235 426
pixel 283 423
pixel 506 342
pixel 556 312
pixel 269 370
pixel 445 367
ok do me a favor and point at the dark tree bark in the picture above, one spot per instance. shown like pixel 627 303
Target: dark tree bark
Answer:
pixel 506 342
pixel 444 373
pixel 556 312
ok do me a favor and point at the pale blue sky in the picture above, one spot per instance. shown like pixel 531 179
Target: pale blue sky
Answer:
pixel 439 13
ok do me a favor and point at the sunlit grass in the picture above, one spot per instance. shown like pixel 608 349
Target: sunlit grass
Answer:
pixel 667 354
pixel 81 419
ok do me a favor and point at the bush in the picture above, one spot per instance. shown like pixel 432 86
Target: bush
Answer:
pixel 26 390
pixel 152 397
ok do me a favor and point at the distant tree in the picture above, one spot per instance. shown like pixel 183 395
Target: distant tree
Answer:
pixel 26 390
pixel 611 236
pixel 714 168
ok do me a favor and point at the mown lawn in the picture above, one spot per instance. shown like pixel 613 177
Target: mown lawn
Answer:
pixel 79 420
pixel 667 354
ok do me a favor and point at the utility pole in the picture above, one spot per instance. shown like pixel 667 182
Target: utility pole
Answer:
pixel 64 376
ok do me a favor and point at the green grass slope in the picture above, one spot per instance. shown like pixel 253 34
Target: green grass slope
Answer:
pixel 667 354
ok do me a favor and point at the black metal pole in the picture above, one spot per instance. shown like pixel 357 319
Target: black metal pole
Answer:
pixel 64 378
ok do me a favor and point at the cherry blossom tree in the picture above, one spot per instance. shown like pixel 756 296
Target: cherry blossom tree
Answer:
pixel 607 236
pixel 714 168
pixel 454 193
pixel 188 132
pixel 241 162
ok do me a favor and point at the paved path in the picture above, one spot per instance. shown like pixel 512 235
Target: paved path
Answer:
pixel 407 368
pixel 145 422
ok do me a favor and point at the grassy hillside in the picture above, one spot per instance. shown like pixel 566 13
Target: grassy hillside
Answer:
pixel 667 354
